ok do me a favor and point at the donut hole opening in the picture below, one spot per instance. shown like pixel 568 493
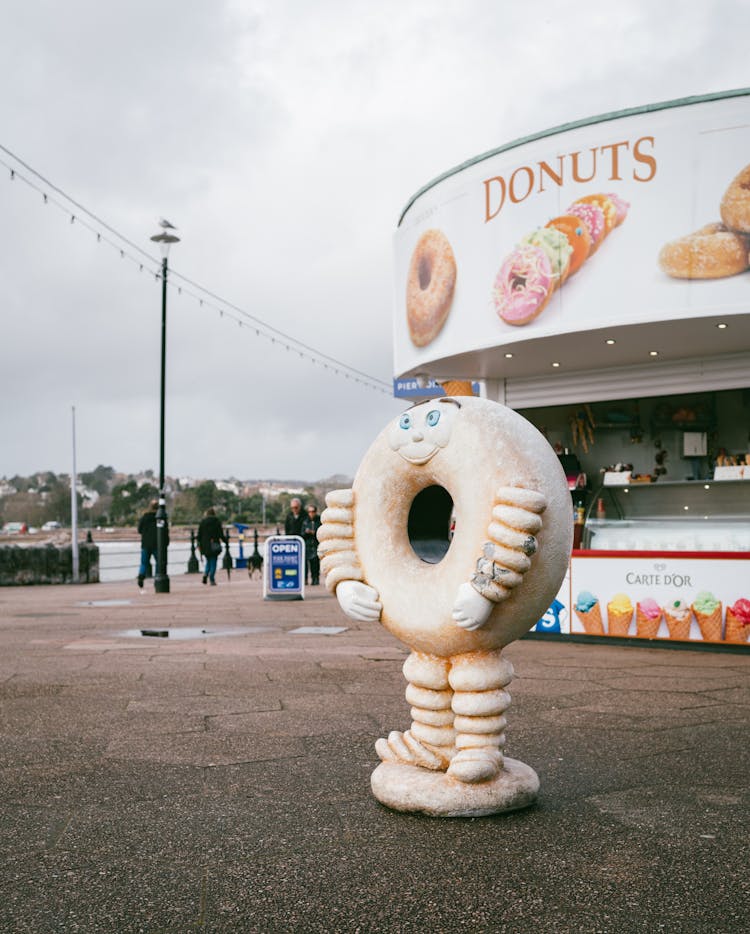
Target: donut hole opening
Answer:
pixel 429 524
pixel 424 272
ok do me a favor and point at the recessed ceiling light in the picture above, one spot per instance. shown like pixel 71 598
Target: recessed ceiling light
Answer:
pixel 609 341
pixel 555 364
pixel 722 326
pixel 653 353
pixel 509 356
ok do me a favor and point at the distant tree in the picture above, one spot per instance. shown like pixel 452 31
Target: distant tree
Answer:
pixel 185 508
pixel 26 507
pixel 206 495
pixel 129 501
pixel 99 479
pixel 20 484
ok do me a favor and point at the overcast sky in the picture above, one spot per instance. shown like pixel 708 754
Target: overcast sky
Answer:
pixel 282 138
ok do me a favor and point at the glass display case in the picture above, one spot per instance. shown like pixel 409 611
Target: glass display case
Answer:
pixel 689 515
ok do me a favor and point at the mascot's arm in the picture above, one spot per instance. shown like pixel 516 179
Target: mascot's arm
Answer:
pixel 506 556
pixel 339 562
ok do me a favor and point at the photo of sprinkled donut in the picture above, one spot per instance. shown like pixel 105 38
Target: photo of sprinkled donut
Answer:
pixel 716 250
pixel 549 255
pixel 523 285
pixel 429 287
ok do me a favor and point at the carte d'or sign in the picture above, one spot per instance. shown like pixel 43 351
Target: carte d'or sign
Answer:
pixel 632 218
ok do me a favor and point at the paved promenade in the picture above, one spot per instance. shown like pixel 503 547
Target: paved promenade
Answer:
pixel 221 782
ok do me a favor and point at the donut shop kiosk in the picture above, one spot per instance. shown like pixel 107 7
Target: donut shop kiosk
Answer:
pixel 595 277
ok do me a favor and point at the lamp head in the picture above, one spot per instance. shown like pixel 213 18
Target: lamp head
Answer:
pixel 165 241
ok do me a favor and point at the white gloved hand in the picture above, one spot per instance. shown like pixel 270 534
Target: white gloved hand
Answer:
pixel 471 610
pixel 359 601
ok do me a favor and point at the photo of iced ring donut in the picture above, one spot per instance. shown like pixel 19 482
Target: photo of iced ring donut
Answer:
pixel 429 287
pixel 718 249
pixel 545 258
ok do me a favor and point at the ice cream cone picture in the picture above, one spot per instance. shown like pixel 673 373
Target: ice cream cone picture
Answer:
pixel 738 622
pixel 677 615
pixel 619 615
pixel 458 387
pixel 707 611
pixel 647 618
pixel 589 612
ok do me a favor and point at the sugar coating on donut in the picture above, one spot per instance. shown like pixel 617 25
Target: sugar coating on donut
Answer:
pixel 523 285
pixel 712 252
pixel 429 287
pixel 735 205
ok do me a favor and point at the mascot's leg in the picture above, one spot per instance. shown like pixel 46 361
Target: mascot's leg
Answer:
pixel 430 742
pixel 479 702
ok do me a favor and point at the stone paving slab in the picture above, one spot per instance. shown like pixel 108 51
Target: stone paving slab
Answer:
pixel 221 783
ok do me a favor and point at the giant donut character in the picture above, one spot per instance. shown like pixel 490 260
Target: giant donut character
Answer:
pixel 456 602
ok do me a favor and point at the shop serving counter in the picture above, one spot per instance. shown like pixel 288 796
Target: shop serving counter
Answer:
pixel 671 515
pixel 668 542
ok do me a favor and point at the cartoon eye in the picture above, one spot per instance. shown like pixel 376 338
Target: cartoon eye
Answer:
pixel 432 418
pixel 404 421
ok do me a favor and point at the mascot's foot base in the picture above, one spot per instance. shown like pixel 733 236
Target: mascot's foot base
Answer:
pixel 409 788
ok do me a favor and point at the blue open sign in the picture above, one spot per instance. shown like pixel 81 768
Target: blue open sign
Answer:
pixel 284 576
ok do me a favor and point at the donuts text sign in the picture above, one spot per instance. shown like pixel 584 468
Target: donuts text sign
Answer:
pixel 630 220
pixel 456 600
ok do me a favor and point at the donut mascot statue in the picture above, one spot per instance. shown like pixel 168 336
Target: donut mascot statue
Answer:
pixel 481 465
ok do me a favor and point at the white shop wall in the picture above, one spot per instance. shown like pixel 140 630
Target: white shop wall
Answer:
pixel 730 409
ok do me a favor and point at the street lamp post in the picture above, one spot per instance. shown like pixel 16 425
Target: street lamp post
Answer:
pixel 165 239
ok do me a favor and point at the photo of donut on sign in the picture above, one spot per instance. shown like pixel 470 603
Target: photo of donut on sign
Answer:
pixel 717 250
pixel 545 258
pixel 429 287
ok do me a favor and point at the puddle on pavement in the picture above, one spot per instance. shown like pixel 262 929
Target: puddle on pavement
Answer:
pixel 105 603
pixel 192 632
pixel 317 630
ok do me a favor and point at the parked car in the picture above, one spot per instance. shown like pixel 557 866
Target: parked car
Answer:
pixel 15 528
pixel 51 526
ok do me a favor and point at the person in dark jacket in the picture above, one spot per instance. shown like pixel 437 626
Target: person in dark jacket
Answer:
pixel 210 536
pixel 294 518
pixel 147 531
pixel 310 526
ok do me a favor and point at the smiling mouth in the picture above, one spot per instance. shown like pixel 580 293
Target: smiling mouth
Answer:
pixel 418 459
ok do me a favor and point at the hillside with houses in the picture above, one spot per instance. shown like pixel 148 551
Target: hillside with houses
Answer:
pixel 106 497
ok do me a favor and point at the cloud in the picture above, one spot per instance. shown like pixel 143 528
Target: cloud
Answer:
pixel 283 139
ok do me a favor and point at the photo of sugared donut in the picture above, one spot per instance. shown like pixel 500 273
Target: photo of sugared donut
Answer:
pixel 429 287
pixel 735 205
pixel 712 252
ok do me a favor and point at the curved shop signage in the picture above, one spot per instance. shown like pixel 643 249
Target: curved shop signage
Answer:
pixel 631 218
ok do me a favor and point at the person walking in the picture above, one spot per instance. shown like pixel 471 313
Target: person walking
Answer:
pixel 147 531
pixel 294 518
pixel 210 536
pixel 310 526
